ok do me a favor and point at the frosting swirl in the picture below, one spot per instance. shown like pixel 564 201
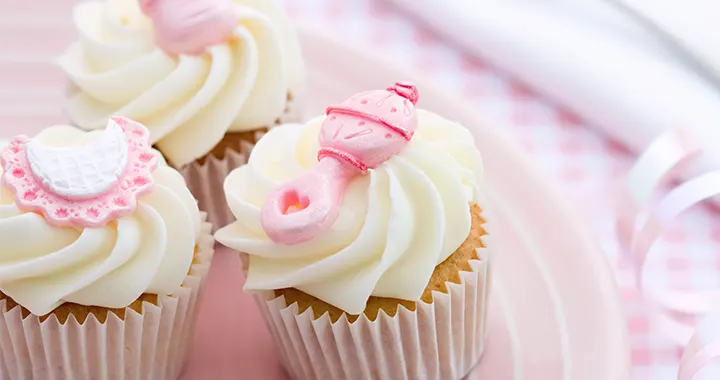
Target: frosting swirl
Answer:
pixel 188 102
pixel 394 226
pixel 149 251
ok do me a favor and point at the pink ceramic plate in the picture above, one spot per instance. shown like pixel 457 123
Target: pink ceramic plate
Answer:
pixel 555 311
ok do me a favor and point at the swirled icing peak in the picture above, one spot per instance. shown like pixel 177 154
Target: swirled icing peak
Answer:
pixel 123 64
pixel 190 26
pixel 395 224
pixel 361 133
pixel 85 186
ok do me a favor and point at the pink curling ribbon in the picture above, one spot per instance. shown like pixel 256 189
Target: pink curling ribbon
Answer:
pixel 668 153
pixel 359 134
pixel 190 26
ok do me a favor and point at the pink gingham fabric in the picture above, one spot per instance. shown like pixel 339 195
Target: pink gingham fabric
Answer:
pixel 583 164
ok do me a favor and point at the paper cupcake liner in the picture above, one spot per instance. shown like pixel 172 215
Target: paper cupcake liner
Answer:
pixel 205 180
pixel 152 345
pixel 442 340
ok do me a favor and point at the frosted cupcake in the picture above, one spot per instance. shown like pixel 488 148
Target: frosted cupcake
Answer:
pixel 207 78
pixel 103 257
pixel 365 242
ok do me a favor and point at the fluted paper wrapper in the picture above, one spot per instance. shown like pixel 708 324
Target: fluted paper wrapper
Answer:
pixel 206 179
pixel 152 345
pixel 439 341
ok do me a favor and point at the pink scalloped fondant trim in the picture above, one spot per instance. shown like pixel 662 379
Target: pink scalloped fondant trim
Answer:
pixel 119 201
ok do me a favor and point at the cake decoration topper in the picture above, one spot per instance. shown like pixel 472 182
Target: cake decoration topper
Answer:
pixel 190 26
pixel 83 186
pixel 359 134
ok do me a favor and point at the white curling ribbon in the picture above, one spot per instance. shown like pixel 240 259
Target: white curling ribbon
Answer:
pixel 640 222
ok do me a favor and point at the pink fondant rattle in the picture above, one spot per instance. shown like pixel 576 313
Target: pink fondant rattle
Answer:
pixel 359 134
pixel 83 186
pixel 190 26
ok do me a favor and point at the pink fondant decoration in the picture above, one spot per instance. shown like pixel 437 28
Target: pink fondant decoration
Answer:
pixel 302 209
pixel 33 192
pixel 383 107
pixel 359 134
pixel 190 26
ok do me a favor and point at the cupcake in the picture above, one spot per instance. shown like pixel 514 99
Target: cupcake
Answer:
pixel 104 252
pixel 207 78
pixel 365 241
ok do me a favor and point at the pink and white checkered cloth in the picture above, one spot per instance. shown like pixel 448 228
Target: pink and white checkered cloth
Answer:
pixel 586 166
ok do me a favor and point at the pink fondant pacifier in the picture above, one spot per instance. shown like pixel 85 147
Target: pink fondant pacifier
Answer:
pixel 190 26
pixel 84 186
pixel 359 134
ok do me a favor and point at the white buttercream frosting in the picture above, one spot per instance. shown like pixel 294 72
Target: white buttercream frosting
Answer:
pixel 150 251
pixel 395 225
pixel 188 102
